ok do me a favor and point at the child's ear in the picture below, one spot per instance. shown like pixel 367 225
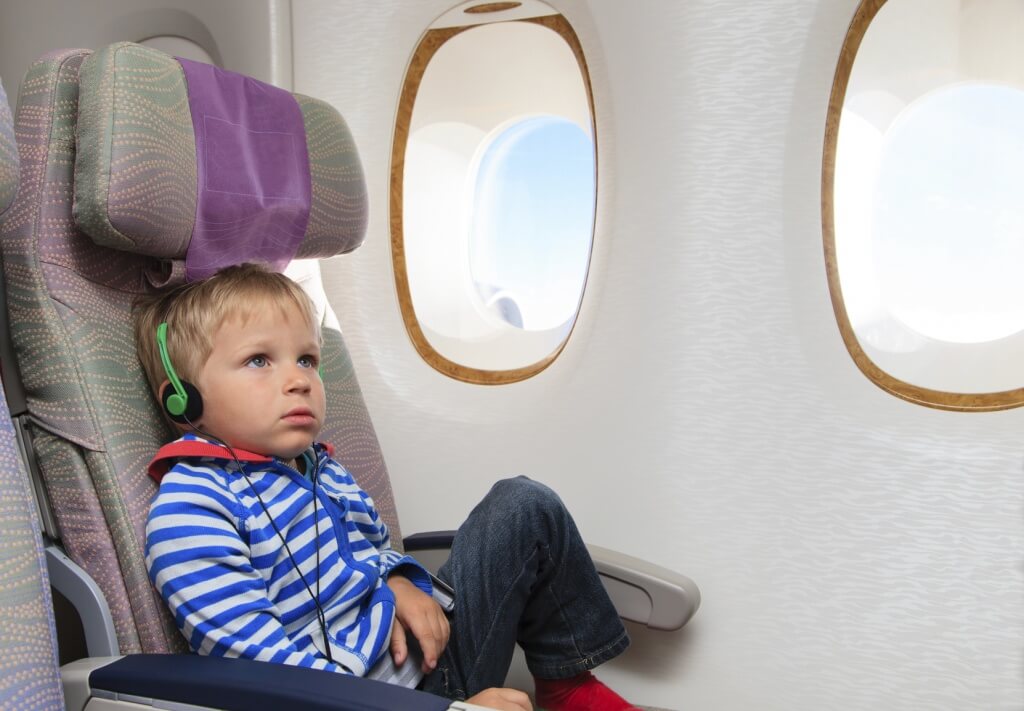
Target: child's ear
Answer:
pixel 161 392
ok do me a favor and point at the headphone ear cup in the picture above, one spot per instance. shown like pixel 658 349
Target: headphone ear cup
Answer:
pixel 193 404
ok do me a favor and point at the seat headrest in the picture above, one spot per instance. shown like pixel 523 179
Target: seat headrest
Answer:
pixel 205 168
pixel 8 155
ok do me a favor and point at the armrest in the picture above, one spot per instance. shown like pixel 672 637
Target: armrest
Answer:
pixel 430 548
pixel 646 593
pixel 231 684
pixel 86 597
pixel 641 592
pixel 428 540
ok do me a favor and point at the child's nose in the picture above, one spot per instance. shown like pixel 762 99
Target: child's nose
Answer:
pixel 298 379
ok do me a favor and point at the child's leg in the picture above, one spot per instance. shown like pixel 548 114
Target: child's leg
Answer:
pixel 522 573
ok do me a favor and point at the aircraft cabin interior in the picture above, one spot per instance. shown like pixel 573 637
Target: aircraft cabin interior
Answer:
pixel 737 280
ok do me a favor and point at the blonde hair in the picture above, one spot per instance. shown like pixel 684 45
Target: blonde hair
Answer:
pixel 194 311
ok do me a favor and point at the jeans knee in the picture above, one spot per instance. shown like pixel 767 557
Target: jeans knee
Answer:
pixel 526 495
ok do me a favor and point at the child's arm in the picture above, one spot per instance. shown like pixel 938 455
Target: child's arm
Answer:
pixel 200 565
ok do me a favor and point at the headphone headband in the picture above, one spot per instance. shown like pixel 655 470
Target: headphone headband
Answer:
pixel 176 403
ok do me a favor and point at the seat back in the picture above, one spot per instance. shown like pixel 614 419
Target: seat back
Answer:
pixel 144 223
pixel 28 647
pixel 29 676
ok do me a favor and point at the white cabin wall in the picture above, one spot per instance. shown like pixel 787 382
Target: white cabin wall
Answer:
pixel 854 551
pixel 248 36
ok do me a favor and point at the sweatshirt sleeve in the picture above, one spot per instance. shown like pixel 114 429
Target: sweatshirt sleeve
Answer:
pixel 200 565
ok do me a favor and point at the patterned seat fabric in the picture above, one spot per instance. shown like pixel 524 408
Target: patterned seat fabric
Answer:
pixel 28 649
pixel 70 293
pixel 29 677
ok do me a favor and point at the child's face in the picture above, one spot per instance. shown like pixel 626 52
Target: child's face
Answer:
pixel 260 386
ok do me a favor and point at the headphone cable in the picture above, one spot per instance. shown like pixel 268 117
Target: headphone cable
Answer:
pixel 321 618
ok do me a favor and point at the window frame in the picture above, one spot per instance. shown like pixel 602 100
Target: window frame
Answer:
pixel 429 44
pixel 939 399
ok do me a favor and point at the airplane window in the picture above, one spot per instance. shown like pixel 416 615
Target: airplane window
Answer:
pixel 493 191
pixel 924 155
pixel 531 221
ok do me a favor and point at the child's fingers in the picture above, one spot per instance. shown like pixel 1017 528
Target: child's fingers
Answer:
pixel 422 618
pixel 431 630
pixel 439 627
pixel 446 629
pixel 427 635
pixel 399 647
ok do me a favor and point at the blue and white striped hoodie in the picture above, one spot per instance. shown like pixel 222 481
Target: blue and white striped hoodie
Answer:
pixel 217 561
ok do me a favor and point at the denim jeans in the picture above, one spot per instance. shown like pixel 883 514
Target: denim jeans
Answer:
pixel 521 573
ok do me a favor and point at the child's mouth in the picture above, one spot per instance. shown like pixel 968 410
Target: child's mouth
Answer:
pixel 299 416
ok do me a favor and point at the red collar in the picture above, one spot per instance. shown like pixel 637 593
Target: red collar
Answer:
pixel 192 448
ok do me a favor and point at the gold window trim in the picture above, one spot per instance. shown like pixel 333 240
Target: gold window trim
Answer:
pixel 432 41
pixel 965 402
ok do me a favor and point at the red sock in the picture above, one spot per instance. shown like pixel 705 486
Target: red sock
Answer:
pixel 580 693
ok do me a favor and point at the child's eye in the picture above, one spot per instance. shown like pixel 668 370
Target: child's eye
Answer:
pixel 307 361
pixel 257 361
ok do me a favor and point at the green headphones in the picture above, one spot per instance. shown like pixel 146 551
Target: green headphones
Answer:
pixel 181 400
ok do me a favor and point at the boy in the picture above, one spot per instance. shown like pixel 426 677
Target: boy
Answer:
pixel 264 547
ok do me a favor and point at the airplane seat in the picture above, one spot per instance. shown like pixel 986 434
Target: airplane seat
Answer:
pixel 128 208
pixel 29 675
pixel 67 305
pixel 29 668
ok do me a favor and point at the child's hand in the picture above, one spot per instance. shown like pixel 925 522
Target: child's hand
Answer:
pixel 502 699
pixel 417 612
